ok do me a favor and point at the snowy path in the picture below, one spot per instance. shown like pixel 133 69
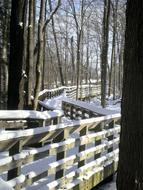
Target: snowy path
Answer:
pixel 56 103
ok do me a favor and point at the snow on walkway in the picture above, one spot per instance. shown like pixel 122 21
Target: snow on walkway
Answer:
pixel 56 102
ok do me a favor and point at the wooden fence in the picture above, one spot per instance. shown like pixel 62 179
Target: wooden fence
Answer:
pixel 85 91
pixel 76 109
pixel 78 155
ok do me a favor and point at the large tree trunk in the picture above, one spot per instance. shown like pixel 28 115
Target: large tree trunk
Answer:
pixel 16 84
pixel 30 55
pixel 104 57
pixel 115 8
pixel 112 71
pixel 4 49
pixel 130 170
pixel 44 52
pixel 40 53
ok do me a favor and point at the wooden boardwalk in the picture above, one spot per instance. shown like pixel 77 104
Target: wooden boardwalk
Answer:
pixel 43 152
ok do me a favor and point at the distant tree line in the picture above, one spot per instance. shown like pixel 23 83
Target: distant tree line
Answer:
pixel 52 43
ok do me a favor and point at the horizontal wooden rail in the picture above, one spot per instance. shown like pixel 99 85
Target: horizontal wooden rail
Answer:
pixel 76 109
pixel 24 118
pixel 77 155
pixel 85 91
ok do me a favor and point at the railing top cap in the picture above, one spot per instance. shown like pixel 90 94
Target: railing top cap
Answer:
pixel 90 107
pixel 96 119
pixel 28 114
pixel 66 88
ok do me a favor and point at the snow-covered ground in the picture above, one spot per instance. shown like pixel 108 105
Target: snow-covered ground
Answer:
pixel 56 103
pixel 111 104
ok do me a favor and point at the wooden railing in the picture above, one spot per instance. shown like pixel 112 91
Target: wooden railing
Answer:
pixel 76 109
pixel 85 91
pixel 22 119
pixel 51 93
pixel 78 155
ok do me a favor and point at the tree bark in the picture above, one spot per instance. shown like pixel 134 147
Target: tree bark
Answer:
pixel 115 8
pixel 72 62
pixel 130 169
pixel 4 50
pixel 104 57
pixel 78 66
pixel 40 53
pixel 44 52
pixel 30 55
pixel 16 84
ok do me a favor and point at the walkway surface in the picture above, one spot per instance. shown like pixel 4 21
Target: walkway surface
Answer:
pixel 108 186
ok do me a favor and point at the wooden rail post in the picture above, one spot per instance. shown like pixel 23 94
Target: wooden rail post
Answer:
pixel 82 147
pixel 72 112
pixel 81 163
pixel 111 137
pixel 17 148
pixel 61 155
pixel 98 140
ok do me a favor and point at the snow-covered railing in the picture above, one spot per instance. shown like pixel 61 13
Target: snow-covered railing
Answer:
pixel 76 109
pixel 24 118
pixel 77 155
pixel 51 93
pixel 85 91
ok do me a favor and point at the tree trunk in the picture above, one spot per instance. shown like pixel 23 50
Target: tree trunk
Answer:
pixel 111 67
pixel 130 169
pixel 104 57
pixel 72 62
pixel 120 74
pixel 44 52
pixel 40 53
pixel 30 55
pixel 115 8
pixel 87 55
pixel 16 83
pixel 57 49
pixel 4 55
pixel 78 63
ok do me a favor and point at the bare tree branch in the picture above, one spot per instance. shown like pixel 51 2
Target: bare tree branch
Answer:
pixel 52 14
pixel 74 12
